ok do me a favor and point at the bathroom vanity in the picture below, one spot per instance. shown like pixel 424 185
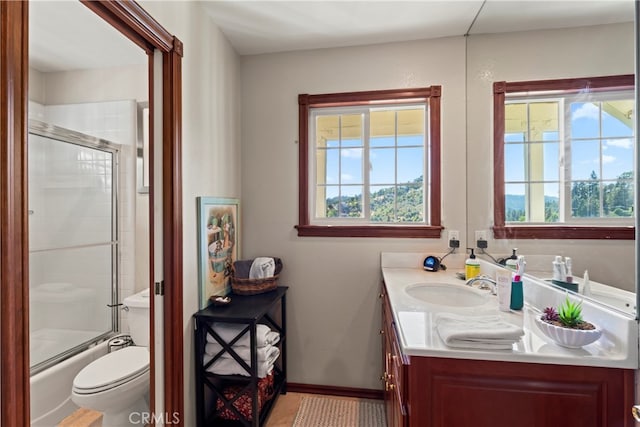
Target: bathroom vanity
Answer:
pixel 537 383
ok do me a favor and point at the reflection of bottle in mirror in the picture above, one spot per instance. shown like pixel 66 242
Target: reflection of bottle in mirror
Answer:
pixel 586 286
pixel 567 263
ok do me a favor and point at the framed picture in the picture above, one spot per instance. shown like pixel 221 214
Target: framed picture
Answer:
pixel 218 245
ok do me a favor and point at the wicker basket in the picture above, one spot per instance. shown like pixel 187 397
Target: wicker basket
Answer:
pixel 242 285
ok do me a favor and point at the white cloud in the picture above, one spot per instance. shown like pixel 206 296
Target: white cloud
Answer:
pixel 588 111
pixel 626 143
pixel 352 153
pixel 346 177
pixel 608 159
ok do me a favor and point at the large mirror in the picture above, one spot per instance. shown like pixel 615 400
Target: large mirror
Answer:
pixel 549 40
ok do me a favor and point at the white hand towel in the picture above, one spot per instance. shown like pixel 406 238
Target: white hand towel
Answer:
pixel 230 366
pixel 228 331
pixel 479 332
pixel 262 267
pixel 263 353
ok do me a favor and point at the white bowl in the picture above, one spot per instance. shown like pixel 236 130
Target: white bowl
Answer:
pixel 566 337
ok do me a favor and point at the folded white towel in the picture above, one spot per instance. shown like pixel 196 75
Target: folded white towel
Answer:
pixel 480 332
pixel 262 267
pixel 228 331
pixel 230 366
pixel 264 353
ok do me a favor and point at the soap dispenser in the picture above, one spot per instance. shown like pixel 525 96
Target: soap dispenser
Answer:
pixel 471 266
pixel 512 261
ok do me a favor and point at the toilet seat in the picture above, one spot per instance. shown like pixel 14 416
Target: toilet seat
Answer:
pixel 112 370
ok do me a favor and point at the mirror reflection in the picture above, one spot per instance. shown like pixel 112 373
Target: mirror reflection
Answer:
pixel 88 224
pixel 542 142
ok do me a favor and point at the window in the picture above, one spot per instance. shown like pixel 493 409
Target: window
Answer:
pixel 369 164
pixel 564 158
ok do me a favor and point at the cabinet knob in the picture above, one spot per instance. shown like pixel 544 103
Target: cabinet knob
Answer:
pixel 383 377
pixel 381 331
pixel 381 295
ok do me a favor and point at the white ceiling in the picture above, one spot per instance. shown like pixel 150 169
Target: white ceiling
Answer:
pixel 267 26
pixel 66 35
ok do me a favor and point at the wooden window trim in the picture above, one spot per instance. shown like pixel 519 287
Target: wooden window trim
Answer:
pixel 565 86
pixel 430 94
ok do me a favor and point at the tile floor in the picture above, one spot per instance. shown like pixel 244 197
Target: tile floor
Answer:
pixel 282 415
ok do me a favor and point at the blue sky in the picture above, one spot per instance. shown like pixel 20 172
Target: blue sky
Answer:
pixel 382 162
pixel 617 150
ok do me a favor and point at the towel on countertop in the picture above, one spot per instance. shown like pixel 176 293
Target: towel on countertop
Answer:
pixel 228 331
pixel 478 332
pixel 262 267
pixel 264 353
pixel 226 365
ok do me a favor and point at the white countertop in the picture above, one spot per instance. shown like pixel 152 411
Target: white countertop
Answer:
pixel 415 321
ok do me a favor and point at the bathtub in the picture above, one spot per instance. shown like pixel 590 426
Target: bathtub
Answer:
pixel 51 388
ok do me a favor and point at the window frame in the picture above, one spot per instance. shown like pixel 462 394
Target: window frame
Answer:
pixel 430 95
pixel 501 229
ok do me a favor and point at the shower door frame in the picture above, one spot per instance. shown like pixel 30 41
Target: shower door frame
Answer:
pixel 140 27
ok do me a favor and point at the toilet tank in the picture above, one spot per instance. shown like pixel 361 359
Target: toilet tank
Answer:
pixel 138 317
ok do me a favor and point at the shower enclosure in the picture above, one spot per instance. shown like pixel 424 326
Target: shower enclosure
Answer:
pixel 73 242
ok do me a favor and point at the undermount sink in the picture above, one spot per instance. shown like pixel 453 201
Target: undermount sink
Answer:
pixel 447 294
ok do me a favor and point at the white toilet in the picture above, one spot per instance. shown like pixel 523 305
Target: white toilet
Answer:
pixel 117 384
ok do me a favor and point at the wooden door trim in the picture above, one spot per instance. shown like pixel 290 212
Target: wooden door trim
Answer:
pixel 129 18
pixel 14 236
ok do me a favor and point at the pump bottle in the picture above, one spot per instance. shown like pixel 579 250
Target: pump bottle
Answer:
pixel 471 266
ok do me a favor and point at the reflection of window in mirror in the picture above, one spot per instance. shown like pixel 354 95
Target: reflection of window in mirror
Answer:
pixel 142 163
pixel 564 157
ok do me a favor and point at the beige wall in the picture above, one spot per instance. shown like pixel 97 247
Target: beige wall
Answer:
pixel 105 84
pixel 579 52
pixel 210 140
pixel 333 310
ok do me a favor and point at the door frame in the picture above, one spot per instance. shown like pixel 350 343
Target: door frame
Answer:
pixel 135 23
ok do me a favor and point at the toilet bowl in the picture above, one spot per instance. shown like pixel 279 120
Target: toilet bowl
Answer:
pixel 117 384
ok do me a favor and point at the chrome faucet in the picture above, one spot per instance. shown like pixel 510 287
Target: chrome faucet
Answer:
pixel 486 283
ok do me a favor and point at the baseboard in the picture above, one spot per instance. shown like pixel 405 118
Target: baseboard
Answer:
pixel 362 393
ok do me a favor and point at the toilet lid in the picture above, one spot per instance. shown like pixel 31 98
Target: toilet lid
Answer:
pixel 112 370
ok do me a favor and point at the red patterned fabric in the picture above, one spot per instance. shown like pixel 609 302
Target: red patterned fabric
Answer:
pixel 243 403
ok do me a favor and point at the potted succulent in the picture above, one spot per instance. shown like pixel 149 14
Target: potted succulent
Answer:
pixel 566 326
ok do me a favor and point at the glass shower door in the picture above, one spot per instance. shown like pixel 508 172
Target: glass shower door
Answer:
pixel 72 242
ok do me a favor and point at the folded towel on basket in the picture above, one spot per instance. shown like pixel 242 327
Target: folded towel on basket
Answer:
pixel 228 331
pixel 263 353
pixel 262 267
pixel 478 332
pixel 227 365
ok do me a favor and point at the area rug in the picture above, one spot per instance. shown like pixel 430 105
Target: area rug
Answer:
pixel 327 412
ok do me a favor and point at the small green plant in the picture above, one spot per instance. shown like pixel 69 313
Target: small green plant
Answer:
pixel 550 314
pixel 570 313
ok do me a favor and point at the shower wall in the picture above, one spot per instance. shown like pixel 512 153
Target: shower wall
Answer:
pixel 114 121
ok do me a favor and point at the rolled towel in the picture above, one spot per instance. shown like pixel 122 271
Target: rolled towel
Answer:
pixel 478 332
pixel 227 365
pixel 262 267
pixel 263 353
pixel 228 331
